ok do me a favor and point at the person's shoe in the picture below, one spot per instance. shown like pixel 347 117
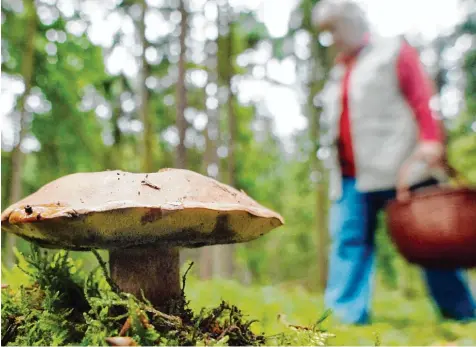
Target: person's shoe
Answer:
pixel 467 317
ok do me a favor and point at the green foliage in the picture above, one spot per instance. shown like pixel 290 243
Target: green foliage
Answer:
pixel 462 152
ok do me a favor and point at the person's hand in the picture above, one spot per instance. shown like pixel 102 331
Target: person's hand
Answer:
pixel 431 152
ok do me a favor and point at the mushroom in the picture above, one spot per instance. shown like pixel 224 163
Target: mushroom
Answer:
pixel 142 219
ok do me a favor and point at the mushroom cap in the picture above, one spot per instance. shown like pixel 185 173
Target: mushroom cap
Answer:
pixel 117 209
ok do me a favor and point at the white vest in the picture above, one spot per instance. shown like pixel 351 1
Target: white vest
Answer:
pixel 383 127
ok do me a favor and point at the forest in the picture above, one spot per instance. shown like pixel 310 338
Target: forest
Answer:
pixel 204 85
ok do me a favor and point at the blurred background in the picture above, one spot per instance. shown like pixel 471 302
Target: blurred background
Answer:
pixel 226 88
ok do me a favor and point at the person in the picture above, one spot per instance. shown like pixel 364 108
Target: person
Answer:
pixel 376 110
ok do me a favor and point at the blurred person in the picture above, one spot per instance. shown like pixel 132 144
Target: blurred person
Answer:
pixel 376 105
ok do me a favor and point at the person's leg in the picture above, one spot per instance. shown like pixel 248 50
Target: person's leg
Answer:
pixel 448 288
pixel 351 258
pixel 451 293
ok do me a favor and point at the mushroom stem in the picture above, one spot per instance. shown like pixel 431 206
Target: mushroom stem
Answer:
pixel 154 270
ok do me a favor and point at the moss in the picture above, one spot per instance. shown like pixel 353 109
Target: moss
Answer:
pixel 63 305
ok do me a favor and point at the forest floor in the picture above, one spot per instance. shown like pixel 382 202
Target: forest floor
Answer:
pixel 396 320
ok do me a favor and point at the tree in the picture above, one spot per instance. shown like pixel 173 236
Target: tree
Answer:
pixel 181 92
pixel 147 159
pixel 17 156
pixel 211 161
pixel 319 68
pixel 226 253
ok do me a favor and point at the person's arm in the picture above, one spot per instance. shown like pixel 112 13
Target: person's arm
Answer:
pixel 416 87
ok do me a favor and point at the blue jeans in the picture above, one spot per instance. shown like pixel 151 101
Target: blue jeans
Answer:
pixel 353 221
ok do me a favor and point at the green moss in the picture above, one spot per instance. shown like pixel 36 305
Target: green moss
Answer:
pixel 62 305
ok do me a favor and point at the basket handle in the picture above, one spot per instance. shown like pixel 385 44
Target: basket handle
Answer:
pixel 403 189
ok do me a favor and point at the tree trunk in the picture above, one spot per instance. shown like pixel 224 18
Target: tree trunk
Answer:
pixel 181 105
pixel 17 157
pixel 321 196
pixel 322 229
pixel 113 157
pixel 232 120
pixel 318 59
pixel 208 254
pixel 115 153
pixel 228 251
pixel 321 211
pixel 207 257
pixel 206 263
pixel 181 92
pixel 147 159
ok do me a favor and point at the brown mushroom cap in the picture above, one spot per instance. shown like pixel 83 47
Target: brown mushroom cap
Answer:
pixel 116 209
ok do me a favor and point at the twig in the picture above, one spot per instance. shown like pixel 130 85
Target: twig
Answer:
pixel 126 326
pixel 103 265
pixel 173 320
pixel 146 182
pixel 144 299
pixel 10 331
pixel 24 271
pixel 242 337
pixel 227 330
pixel 248 324
pixel 184 277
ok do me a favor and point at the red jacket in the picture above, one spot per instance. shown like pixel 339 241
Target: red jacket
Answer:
pixel 417 89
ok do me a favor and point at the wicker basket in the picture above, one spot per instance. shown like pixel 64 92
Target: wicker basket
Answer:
pixel 435 227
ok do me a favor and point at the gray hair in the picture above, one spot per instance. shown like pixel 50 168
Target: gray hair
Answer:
pixel 347 10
